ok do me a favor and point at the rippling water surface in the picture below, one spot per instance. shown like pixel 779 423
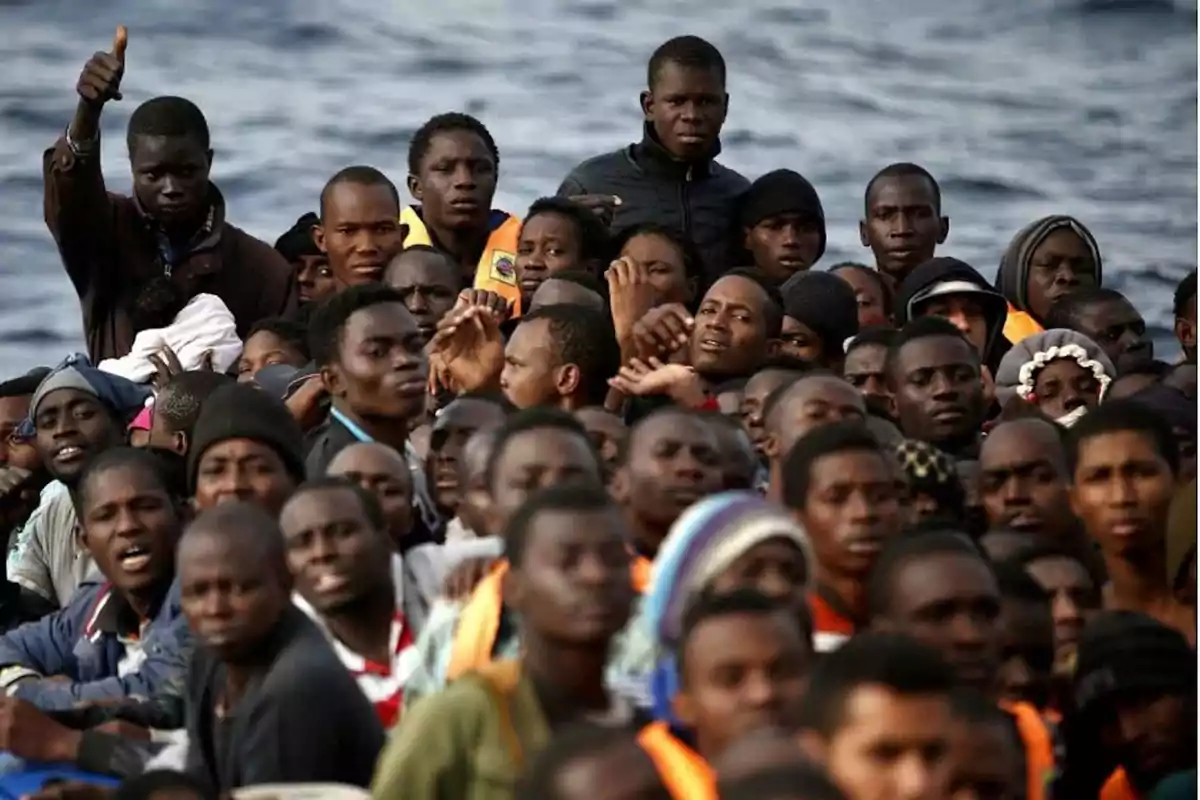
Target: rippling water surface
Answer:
pixel 1020 108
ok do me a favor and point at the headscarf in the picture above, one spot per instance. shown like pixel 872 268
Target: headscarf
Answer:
pixel 1012 279
pixel 121 395
pixel 704 541
pixel 1020 365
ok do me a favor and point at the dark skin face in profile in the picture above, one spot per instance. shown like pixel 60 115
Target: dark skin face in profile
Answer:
pixel 686 106
pixel 903 225
pixel 170 181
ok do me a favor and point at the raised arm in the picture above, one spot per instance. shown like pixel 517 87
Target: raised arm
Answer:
pixel 78 210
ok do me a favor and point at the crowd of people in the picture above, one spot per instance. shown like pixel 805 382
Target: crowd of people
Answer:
pixel 627 497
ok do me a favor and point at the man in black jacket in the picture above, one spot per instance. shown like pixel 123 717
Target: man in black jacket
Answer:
pixel 670 177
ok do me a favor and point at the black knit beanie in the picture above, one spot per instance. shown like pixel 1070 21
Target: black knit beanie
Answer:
pixel 297 240
pixel 1124 651
pixel 781 192
pixel 241 411
pixel 826 304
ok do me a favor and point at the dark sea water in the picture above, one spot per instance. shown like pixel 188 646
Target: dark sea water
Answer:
pixel 1019 107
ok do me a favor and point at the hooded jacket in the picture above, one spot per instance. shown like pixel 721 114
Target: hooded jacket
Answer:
pixel 695 197
pixel 1012 279
pixel 941 276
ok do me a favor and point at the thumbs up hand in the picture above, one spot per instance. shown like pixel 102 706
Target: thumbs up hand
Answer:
pixel 100 80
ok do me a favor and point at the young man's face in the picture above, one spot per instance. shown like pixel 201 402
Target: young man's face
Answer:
pixel 903 226
pixel 1120 331
pixel 673 461
pixel 242 469
pixel 360 231
pixel 951 602
pixel 852 510
pixel 1023 480
pixel 535 459
pixel 891 746
pixel 1122 492
pixel 1074 600
pixel 572 585
pixel 73 427
pixel 381 370
pixel 740 673
pixel 686 107
pixel 428 283
pixel 938 391
pixel 730 337
pixel 533 373
pixel 334 553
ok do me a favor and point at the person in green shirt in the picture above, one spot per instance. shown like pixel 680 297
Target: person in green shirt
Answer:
pixel 568 583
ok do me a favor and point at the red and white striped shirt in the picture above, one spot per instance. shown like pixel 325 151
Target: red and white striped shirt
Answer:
pixel 383 684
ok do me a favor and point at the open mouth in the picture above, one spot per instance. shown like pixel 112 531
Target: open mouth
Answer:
pixel 328 582
pixel 134 558
pixel 68 453
pixel 710 345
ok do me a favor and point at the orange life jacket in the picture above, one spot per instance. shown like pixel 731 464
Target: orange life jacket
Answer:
pixel 479 622
pixel 1039 747
pixel 1019 324
pixel 686 775
pixel 639 573
pixel 1118 787
pixel 497 267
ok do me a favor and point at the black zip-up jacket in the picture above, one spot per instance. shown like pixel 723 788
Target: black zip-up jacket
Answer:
pixel 696 197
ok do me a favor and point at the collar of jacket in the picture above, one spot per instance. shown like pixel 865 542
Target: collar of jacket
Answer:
pixel 651 155
pixel 206 237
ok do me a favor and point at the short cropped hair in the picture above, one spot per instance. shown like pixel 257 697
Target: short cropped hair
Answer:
pixel 904 169
pixel 362 176
pixel 328 321
pixel 1119 416
pixel 290 332
pixel 567 497
pixel 709 605
pixel 773 307
pixel 826 440
pixel 584 337
pixel 1066 310
pixel 894 662
pixel 451 122
pixel 372 510
pixel 532 419
pixel 593 236
pixel 897 553
pixel 686 51
pixel 923 328
pixel 167 116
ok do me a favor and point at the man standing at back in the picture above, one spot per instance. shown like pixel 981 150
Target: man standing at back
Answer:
pixel 670 177
pixel 135 261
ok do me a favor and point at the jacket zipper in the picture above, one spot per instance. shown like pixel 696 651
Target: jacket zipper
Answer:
pixel 683 201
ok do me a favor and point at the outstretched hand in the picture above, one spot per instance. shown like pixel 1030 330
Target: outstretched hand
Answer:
pixel 467 352
pixel 678 381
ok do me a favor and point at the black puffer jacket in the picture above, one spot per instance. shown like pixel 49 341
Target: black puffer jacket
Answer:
pixel 697 198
